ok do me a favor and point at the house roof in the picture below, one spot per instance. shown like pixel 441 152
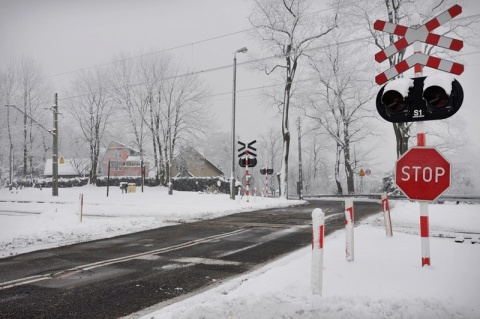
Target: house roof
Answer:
pixel 67 168
pixel 122 146
pixel 193 151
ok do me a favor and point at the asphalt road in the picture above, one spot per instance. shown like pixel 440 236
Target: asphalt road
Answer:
pixel 119 276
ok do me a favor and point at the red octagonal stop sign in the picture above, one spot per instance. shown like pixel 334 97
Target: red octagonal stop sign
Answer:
pixel 422 173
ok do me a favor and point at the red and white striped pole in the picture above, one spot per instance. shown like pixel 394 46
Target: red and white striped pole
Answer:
pixel 421 141
pixel 247 182
pixel 266 179
pixel 386 215
pixel 318 225
pixel 349 227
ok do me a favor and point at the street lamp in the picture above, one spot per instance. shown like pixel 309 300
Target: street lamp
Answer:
pixel 54 133
pixel 232 178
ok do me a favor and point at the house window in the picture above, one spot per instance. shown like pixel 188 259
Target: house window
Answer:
pixel 116 165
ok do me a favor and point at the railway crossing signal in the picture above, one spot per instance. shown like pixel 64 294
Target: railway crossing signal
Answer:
pixel 435 97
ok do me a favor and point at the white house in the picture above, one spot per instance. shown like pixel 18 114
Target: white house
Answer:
pixel 68 167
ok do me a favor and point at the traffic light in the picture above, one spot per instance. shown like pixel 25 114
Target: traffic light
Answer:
pixel 266 171
pixel 252 161
pixel 429 98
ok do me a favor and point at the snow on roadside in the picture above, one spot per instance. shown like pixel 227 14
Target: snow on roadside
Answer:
pixel 32 219
pixel 386 279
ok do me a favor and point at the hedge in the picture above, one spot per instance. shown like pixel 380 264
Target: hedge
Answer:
pixel 202 184
pixel 47 182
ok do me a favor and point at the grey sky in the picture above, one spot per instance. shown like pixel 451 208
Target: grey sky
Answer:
pixel 65 35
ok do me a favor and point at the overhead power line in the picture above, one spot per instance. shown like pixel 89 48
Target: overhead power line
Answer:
pixel 221 67
pixel 183 45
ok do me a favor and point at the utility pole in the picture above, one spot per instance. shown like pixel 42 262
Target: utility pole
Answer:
pixel 55 148
pixel 54 133
pixel 170 158
pixel 300 173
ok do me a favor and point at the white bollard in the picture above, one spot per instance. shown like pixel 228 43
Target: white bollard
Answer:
pixel 386 215
pixel 349 226
pixel 238 196
pixel 80 213
pixel 254 194
pixel 318 224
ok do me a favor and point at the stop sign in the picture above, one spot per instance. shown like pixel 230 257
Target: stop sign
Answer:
pixel 422 173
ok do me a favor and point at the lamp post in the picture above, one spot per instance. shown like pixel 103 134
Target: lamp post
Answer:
pixel 232 178
pixel 54 133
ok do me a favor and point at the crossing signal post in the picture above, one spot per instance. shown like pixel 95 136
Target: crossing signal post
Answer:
pixel 435 97
pixel 420 99
pixel 266 171
pixel 247 159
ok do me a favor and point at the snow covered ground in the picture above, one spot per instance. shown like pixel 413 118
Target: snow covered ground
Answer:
pixel 386 279
pixel 32 219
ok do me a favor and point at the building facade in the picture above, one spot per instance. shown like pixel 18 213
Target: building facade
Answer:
pixel 124 161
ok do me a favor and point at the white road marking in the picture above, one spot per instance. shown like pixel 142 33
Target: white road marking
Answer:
pixel 59 274
pixel 207 261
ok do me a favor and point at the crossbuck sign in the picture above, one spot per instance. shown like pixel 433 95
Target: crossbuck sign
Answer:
pixel 422 34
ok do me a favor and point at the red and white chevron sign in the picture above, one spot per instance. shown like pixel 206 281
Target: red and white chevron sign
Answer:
pixel 422 34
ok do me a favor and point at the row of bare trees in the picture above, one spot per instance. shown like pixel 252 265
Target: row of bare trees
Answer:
pixel 152 103
pixel 24 87
pixel 151 99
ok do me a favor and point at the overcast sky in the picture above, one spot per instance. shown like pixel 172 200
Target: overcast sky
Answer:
pixel 68 35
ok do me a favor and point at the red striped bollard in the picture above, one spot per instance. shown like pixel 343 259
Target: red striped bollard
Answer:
pixel 425 233
pixel 349 227
pixel 318 225
pixel 386 215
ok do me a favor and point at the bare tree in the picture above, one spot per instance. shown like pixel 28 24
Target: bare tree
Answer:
pixel 91 108
pixel 287 29
pixel 170 104
pixel 126 93
pixel 33 90
pixel 340 105
pixel 184 112
pixel 8 87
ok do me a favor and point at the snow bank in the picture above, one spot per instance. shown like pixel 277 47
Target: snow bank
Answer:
pixel 386 279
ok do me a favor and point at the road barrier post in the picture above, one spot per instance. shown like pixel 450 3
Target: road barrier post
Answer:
pixel 80 213
pixel 349 226
pixel 238 197
pixel 386 215
pixel 318 224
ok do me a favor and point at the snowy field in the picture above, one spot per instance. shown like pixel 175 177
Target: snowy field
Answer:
pixel 32 219
pixel 386 279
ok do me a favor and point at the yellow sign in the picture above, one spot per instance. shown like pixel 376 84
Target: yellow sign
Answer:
pixel 362 172
pixel 62 160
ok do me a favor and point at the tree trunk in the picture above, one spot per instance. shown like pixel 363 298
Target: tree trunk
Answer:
pixel 401 136
pixel 349 171
pixel 337 170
